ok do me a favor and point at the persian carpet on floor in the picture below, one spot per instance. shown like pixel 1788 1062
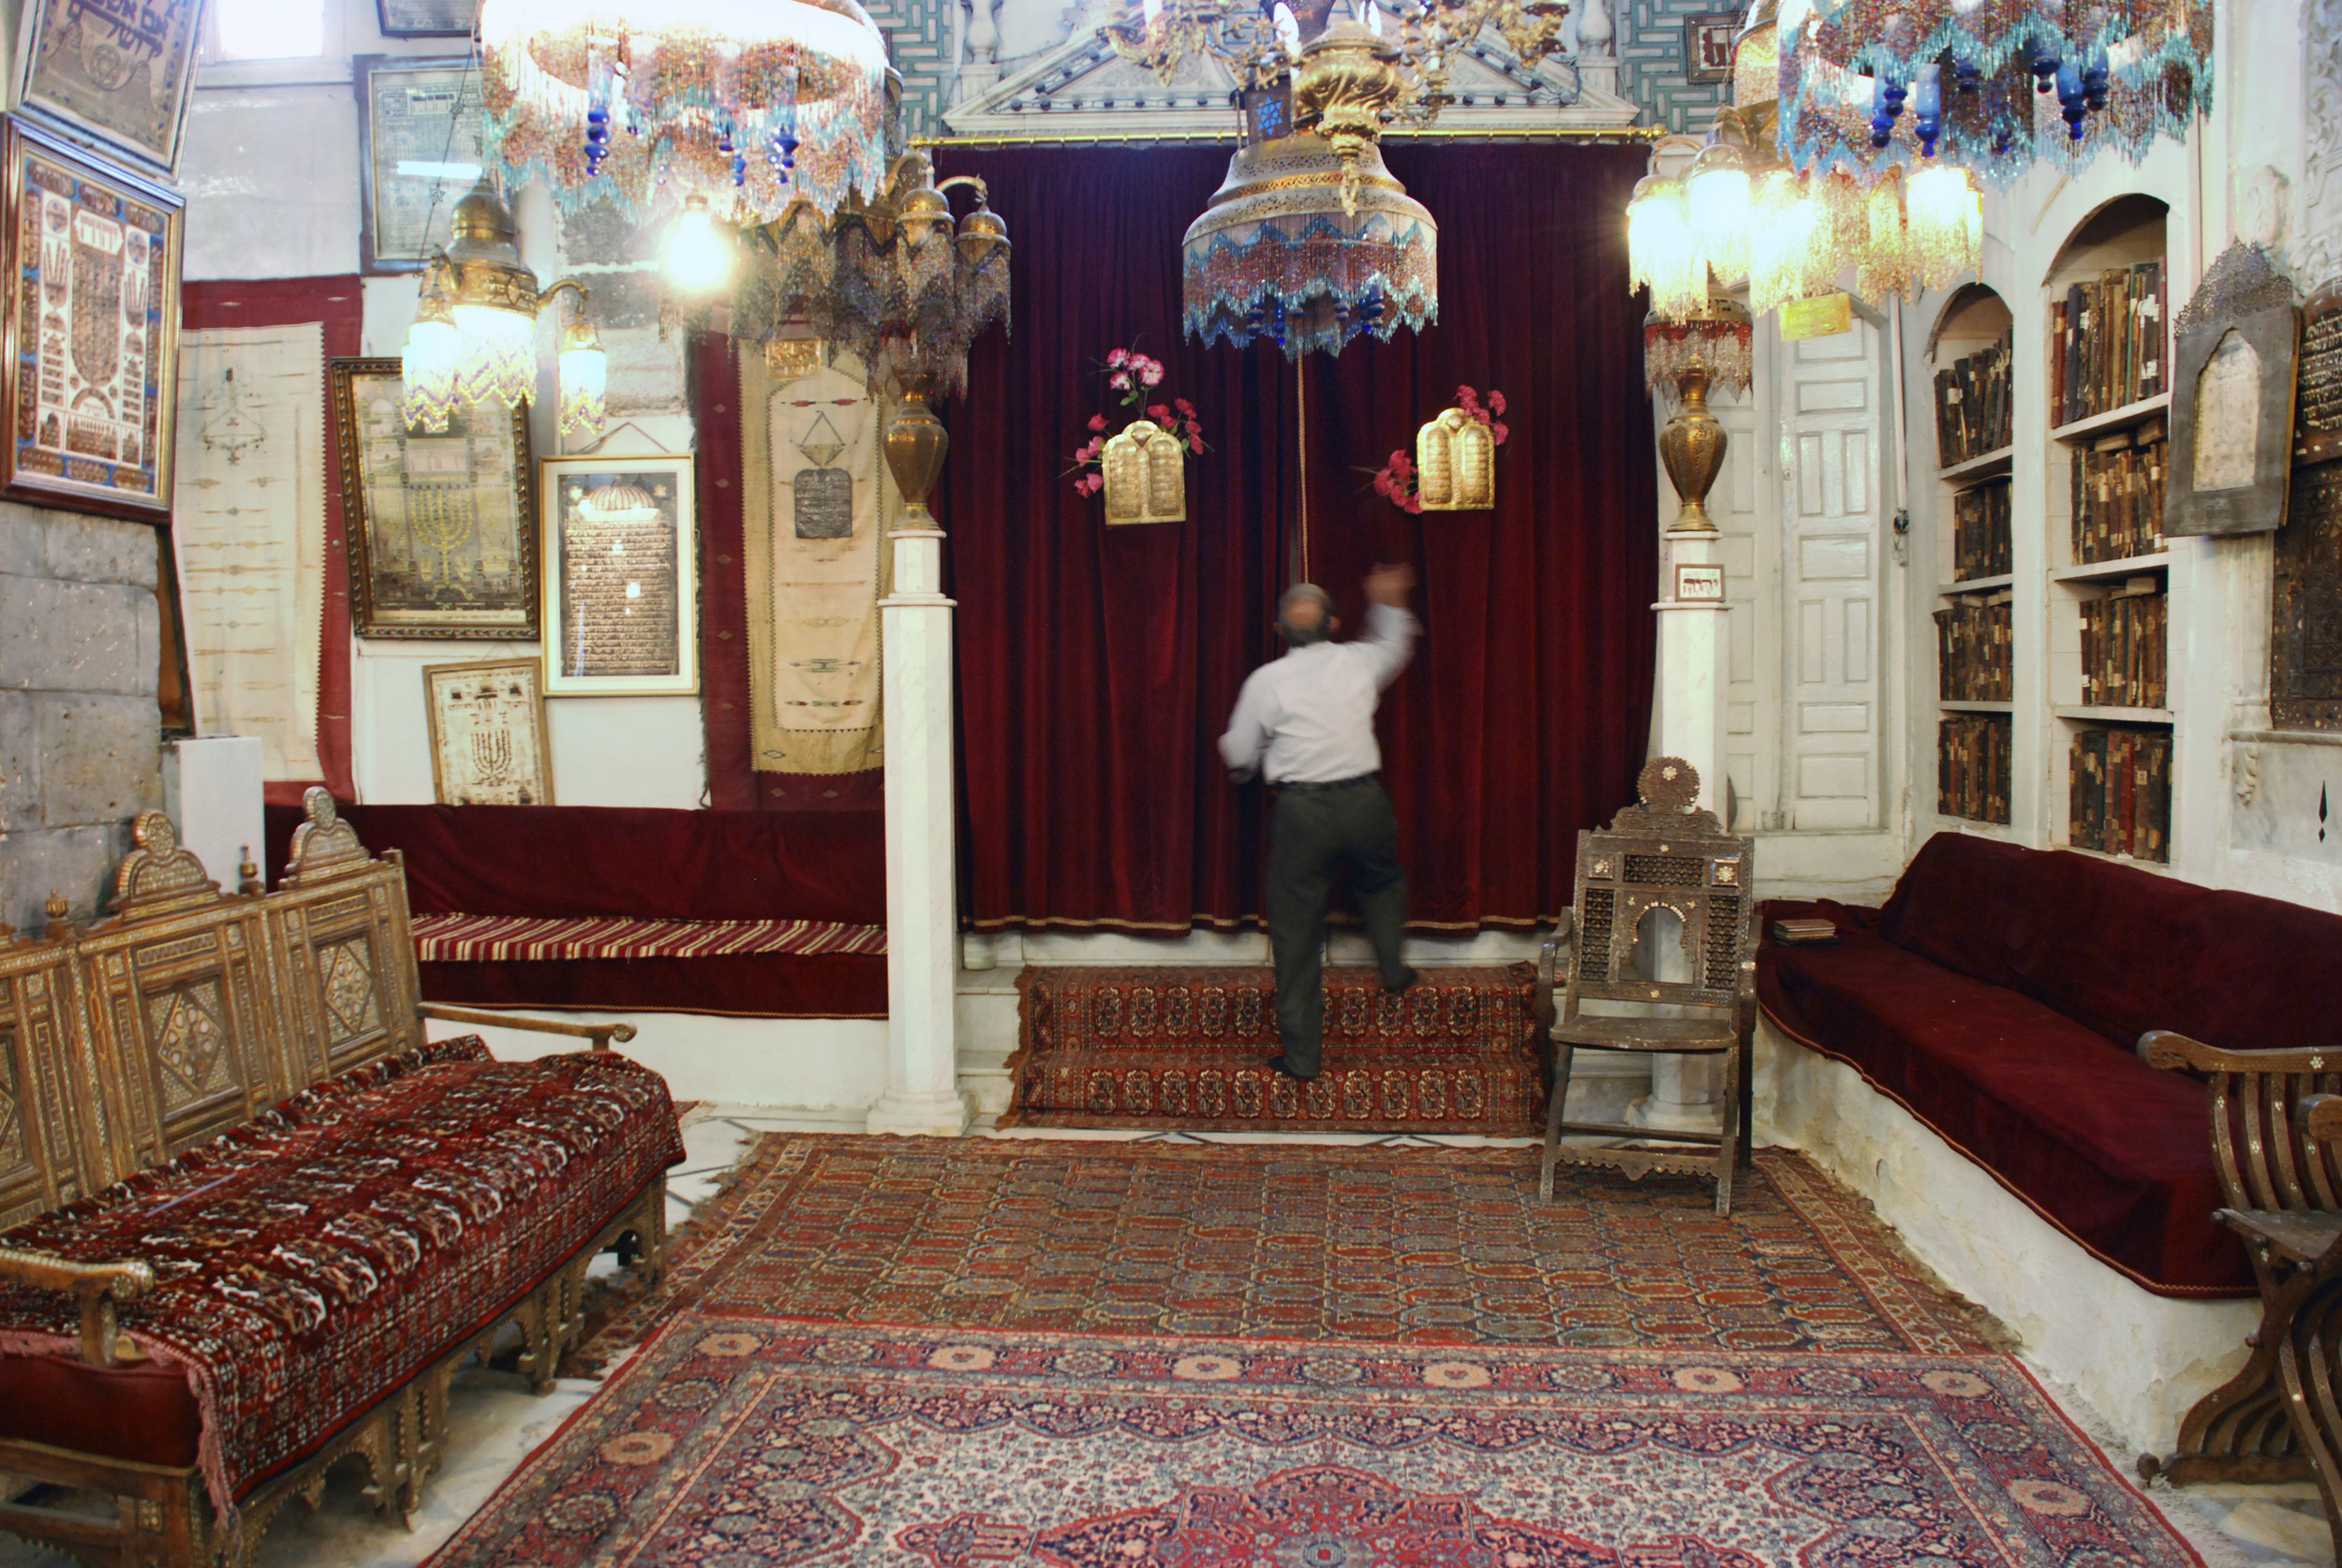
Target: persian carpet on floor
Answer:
pixel 739 1442
pixel 1188 1047
pixel 1295 1242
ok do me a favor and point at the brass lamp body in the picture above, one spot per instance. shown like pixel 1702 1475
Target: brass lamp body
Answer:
pixel 1692 448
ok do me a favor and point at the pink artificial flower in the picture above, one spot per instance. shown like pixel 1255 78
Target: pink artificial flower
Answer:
pixel 1117 359
pixel 1467 399
pixel 1500 432
pixel 1196 442
pixel 1121 381
pixel 1097 421
pixel 1159 412
pixel 1414 504
pixel 1089 484
pixel 1496 402
pixel 1152 374
pixel 1183 405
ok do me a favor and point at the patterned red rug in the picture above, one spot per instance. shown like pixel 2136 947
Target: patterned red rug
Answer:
pixel 1295 1242
pixel 1188 1048
pixel 734 1443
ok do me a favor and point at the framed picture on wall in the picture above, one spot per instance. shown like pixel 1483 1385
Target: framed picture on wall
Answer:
pixel 487 734
pixel 1708 45
pixel 441 525
pixel 118 75
pixel 426 19
pixel 418 154
pixel 621 592
pixel 92 350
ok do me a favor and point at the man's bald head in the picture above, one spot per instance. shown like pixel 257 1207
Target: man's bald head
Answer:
pixel 1305 615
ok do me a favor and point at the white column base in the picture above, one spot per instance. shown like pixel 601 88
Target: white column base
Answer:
pixel 944 1115
pixel 1683 1096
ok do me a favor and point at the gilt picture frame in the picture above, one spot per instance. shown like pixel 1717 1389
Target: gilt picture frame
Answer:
pixel 441 525
pixel 487 721
pixel 426 19
pixel 621 581
pixel 114 75
pixel 89 351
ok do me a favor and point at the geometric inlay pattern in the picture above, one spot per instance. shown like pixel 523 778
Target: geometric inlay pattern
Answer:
pixel 191 1043
pixel 345 974
pixel 11 1113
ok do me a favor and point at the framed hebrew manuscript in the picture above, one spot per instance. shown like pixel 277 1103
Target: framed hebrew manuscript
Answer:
pixel 91 340
pixel 621 550
pixel 111 71
pixel 441 525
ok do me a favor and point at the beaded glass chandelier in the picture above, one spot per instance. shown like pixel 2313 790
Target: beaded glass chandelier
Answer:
pixel 748 104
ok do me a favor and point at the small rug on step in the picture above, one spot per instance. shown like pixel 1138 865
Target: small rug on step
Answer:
pixel 1188 1047
pixel 734 1442
pixel 1298 1242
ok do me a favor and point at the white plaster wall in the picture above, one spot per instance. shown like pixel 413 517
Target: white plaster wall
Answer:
pixel 2137 1359
pixel 815 1064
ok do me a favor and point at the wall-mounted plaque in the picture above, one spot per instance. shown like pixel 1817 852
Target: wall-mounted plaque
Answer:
pixel 91 339
pixel 442 524
pixel 1708 45
pixel 621 548
pixel 2232 399
pixel 426 19
pixel 1455 456
pixel 487 734
pixel 2317 403
pixel 418 154
pixel 1697 582
pixel 1145 472
pixel 112 73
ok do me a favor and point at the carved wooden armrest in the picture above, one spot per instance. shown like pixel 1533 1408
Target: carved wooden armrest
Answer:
pixel 100 1287
pixel 600 1034
pixel 2321 1117
pixel 2167 1048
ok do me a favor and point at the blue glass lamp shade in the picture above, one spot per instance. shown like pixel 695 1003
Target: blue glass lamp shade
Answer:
pixel 1279 253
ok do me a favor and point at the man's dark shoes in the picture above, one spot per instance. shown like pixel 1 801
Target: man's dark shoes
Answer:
pixel 1279 1062
pixel 1399 986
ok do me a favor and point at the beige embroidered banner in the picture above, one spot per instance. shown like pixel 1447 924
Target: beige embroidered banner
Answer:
pixel 816 506
pixel 248 525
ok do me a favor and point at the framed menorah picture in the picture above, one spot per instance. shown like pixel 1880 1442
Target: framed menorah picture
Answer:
pixel 488 733
pixel 442 524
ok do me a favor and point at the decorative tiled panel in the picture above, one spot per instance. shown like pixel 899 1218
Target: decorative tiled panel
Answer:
pixel 919 37
pixel 1651 64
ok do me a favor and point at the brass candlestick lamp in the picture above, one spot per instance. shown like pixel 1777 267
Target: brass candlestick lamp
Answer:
pixel 1708 348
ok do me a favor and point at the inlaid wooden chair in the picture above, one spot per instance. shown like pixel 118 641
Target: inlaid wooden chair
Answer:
pixel 2276 1140
pixel 1665 852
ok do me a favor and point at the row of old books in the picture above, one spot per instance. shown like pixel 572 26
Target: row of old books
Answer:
pixel 1973 644
pixel 2118 494
pixel 2121 802
pixel 2106 341
pixel 1981 532
pixel 1972 766
pixel 2123 654
pixel 1972 414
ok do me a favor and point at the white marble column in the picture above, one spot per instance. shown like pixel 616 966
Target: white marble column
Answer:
pixel 1685 1092
pixel 923 1093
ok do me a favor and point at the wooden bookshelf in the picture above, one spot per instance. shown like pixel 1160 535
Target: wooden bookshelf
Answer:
pixel 2105 623
pixel 1973 361
pixel 1992 464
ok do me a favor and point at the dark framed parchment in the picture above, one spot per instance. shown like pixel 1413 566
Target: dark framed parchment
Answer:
pixel 441 525
pixel 1708 45
pixel 114 72
pixel 91 340
pixel 2231 420
pixel 426 19
pixel 621 547
pixel 418 154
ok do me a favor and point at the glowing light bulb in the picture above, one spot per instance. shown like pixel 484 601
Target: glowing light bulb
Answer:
pixel 697 258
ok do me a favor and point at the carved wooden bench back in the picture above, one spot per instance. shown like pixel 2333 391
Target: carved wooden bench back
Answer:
pixel 188 1010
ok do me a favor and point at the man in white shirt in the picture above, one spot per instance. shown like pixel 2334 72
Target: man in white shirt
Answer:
pixel 1306 722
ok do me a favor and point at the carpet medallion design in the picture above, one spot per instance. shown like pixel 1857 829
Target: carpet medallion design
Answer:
pixel 1294 1242
pixel 1187 1047
pixel 745 1442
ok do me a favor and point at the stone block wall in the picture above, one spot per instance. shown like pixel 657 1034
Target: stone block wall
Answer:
pixel 80 743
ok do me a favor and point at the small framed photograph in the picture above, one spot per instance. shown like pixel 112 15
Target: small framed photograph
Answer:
pixel 621 548
pixel 426 19
pixel 1708 45
pixel 1696 582
pixel 91 345
pixel 442 525
pixel 488 733
pixel 114 74
pixel 418 154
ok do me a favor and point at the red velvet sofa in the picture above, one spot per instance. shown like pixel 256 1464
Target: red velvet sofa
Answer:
pixel 644 864
pixel 1998 996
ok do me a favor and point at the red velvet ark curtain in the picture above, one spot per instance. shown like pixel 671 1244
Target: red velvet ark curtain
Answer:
pixel 1097 665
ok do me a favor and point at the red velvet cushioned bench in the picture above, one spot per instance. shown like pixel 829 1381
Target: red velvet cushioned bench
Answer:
pixel 1998 996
